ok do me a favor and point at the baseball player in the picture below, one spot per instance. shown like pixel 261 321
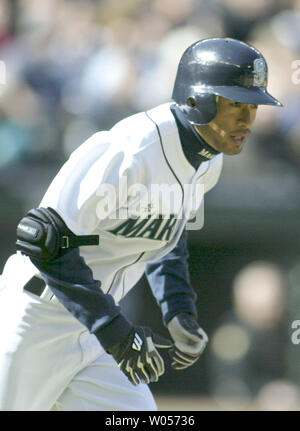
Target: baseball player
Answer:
pixel 119 207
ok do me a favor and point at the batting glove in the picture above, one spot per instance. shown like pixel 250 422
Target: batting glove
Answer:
pixel 190 341
pixel 138 357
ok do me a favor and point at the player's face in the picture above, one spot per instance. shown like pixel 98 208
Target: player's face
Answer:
pixel 230 128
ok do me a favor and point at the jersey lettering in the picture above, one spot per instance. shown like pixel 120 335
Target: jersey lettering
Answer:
pixel 158 228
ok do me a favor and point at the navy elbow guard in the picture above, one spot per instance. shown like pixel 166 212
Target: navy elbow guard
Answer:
pixel 43 235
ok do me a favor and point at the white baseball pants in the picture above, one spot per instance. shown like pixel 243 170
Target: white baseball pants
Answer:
pixel 49 361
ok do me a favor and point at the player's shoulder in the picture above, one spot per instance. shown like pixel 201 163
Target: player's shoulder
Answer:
pixel 95 145
pixel 162 118
pixel 141 130
pixel 138 121
pixel 130 136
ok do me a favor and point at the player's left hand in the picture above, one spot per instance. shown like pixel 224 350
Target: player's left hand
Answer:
pixel 190 340
pixel 138 357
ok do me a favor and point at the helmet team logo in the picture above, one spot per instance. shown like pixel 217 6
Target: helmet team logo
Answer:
pixel 137 342
pixel 260 72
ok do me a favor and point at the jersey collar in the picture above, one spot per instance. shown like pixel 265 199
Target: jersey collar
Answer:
pixel 195 149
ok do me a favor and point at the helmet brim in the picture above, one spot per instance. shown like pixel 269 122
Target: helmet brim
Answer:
pixel 249 95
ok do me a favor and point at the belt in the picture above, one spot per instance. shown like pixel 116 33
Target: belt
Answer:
pixel 35 285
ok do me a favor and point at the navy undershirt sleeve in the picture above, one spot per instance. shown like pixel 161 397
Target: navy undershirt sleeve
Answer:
pixel 170 282
pixel 71 281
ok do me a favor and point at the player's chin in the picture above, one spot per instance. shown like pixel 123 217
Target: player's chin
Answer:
pixel 233 149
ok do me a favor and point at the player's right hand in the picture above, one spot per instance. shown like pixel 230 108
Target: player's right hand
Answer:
pixel 138 357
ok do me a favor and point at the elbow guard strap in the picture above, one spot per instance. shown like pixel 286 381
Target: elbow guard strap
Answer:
pixel 43 234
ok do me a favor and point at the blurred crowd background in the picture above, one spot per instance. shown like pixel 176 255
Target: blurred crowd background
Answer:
pixel 71 67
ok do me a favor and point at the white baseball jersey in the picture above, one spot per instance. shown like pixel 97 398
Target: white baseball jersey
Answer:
pixel 133 151
pixel 132 186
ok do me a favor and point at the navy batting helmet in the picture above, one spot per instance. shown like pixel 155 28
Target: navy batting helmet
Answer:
pixel 220 67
